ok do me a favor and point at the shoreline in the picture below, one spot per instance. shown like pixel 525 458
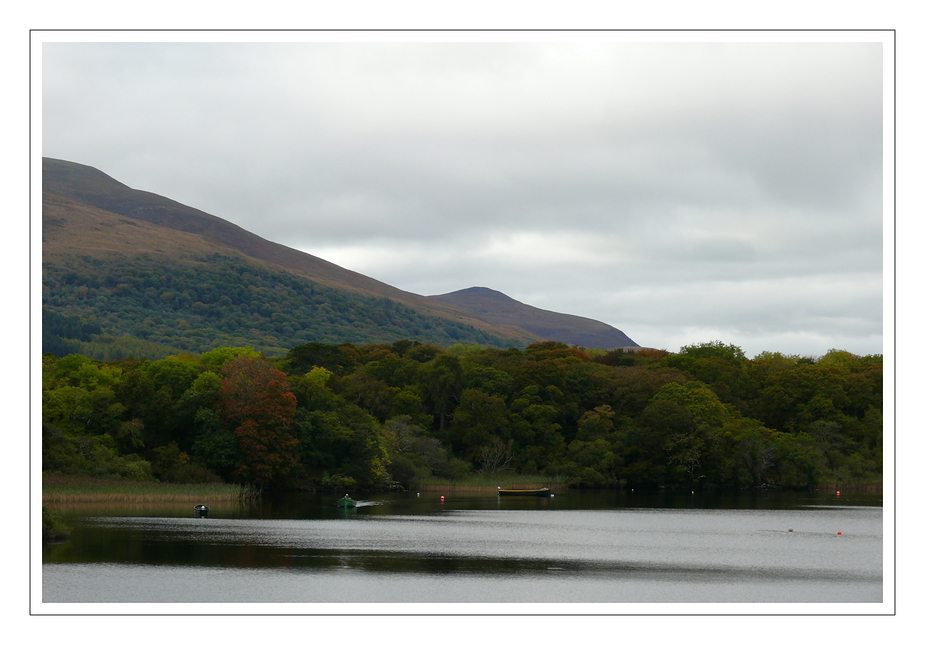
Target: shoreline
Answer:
pixel 60 490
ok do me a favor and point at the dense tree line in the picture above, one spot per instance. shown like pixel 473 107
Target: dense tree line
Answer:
pixel 382 415
pixel 156 308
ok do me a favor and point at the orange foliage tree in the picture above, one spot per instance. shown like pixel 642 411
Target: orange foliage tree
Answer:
pixel 255 400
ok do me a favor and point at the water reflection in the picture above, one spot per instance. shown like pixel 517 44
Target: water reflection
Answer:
pixel 787 546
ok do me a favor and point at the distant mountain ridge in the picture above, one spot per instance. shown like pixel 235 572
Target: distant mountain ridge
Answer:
pixel 499 309
pixel 69 182
pixel 87 185
pixel 101 239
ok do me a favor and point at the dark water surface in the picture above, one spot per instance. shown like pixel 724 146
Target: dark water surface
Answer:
pixel 576 547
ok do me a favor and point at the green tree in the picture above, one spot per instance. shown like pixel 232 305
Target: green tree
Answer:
pixel 795 397
pixel 408 403
pixel 686 446
pixel 741 453
pixel 369 393
pixel 723 366
pixel 489 380
pixel 174 373
pixel 440 381
pixel 799 462
pixel 714 349
pixel 414 455
pixel 339 360
pixel 536 431
pixel 214 360
pixel 478 420
pixel 593 458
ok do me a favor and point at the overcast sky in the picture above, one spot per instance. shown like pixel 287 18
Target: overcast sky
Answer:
pixel 681 192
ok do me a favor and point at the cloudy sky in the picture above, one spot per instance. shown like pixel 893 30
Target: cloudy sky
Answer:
pixel 682 192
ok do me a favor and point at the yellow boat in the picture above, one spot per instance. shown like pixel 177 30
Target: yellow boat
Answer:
pixel 535 492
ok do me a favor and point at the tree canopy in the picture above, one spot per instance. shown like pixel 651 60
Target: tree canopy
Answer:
pixel 396 414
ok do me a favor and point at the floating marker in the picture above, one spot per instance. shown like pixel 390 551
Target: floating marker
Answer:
pixel 839 532
pixel 441 498
pixel 838 492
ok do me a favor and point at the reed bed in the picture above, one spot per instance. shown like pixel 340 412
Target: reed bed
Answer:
pixel 79 490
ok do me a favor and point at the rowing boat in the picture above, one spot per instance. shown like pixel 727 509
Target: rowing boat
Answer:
pixel 535 492
pixel 346 502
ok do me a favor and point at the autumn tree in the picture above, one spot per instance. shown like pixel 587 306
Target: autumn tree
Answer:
pixel 255 400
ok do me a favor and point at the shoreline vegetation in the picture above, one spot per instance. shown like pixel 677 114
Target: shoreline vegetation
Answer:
pixel 58 491
pixel 402 415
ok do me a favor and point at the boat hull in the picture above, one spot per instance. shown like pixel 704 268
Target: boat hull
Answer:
pixel 531 492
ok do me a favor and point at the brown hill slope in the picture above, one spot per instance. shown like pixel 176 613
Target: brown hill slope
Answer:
pixel 497 308
pixel 70 188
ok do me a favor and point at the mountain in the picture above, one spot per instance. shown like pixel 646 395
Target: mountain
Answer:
pixel 155 277
pixel 499 309
pixel 128 272
pixel 91 187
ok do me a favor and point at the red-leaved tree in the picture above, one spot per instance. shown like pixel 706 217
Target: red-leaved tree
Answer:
pixel 255 400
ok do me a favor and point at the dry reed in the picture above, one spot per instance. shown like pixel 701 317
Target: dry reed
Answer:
pixel 79 490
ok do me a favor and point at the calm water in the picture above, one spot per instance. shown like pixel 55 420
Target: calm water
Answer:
pixel 576 547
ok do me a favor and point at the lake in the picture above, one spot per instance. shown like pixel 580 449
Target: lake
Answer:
pixel 613 550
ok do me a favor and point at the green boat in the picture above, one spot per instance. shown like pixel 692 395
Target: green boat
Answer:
pixel 346 502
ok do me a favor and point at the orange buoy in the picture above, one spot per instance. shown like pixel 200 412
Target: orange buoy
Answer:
pixel 839 532
pixel 441 498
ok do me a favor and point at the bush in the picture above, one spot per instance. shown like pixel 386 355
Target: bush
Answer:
pixel 408 470
pixel 455 469
pixel 52 524
pixel 338 481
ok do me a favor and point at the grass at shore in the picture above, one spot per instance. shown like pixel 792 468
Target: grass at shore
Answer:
pixel 58 489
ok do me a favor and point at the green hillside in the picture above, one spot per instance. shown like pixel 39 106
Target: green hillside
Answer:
pixel 106 309
pixel 114 287
pixel 129 273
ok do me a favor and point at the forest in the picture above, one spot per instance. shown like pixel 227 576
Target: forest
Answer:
pixel 107 309
pixel 396 415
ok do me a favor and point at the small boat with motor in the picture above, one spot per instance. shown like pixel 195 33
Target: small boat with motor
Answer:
pixel 532 492
pixel 346 502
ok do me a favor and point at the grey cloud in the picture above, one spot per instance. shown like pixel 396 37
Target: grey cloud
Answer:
pixel 670 189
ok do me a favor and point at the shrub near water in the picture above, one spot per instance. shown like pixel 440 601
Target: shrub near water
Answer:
pixel 52 524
